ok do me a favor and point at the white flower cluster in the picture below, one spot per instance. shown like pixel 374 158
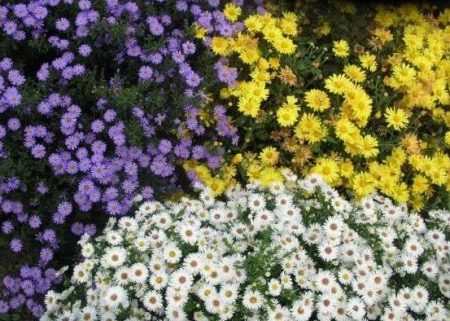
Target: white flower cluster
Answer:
pixel 290 252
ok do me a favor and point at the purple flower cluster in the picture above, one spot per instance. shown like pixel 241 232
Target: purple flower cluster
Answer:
pixel 225 73
pixel 102 103
pixel 10 82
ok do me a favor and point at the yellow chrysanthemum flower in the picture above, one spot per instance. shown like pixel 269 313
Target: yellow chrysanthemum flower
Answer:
pixel 220 46
pixel 355 73
pixel 447 138
pixel 363 184
pixel 253 23
pixel 200 32
pixel 287 115
pixel 396 118
pixel 369 146
pixel 317 100
pixel 248 107
pixel 420 184
pixel 232 12
pixel 346 130
pixel 337 84
pixel 284 45
pixel 368 61
pixel 310 128
pixel 328 168
pixel 341 48
pixel 269 156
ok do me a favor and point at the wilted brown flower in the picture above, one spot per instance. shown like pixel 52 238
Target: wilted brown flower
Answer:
pixel 287 76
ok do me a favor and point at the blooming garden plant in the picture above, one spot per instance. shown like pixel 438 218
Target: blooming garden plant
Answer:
pixel 368 112
pixel 99 100
pixel 111 104
pixel 296 251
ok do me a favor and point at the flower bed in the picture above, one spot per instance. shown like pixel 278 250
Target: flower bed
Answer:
pixel 288 252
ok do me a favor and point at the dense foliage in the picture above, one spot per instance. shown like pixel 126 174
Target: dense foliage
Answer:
pixel 106 102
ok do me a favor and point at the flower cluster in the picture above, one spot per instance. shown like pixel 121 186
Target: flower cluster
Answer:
pixel 294 251
pixel 368 113
pixel 99 101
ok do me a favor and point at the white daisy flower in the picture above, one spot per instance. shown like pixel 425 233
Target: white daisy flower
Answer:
pixel 356 308
pixel 152 301
pixel 115 296
pixel 252 300
pixel 138 273
pixel 158 280
pixel 114 257
pixel 229 293
pixel 88 314
pixel 128 224
pixel 174 313
pixel 81 274
pixel 172 253
pixel 256 202
pixel 51 300
pixel 328 251
pixel 275 287
pixel 114 237
pixel 301 311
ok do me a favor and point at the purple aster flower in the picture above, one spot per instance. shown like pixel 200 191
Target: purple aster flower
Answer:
pixel 7 227
pixel 14 124
pixel 77 228
pixel 214 162
pixel 6 64
pixel 110 193
pixel 97 126
pixel 178 57
pixel 113 208
pixel 10 27
pixel 43 73
pixel 147 192
pixel 72 142
pixel 12 96
pixel 214 3
pixel 72 167
pixel 181 5
pixel 192 79
pixel 86 186
pixel 34 222
pixel 156 58
pixel 46 254
pixel 49 235
pixel 154 26
pixel 15 77
pixel 145 73
pixel 198 152
pixel 90 229
pixel 27 287
pixel 84 165
pixel 65 208
pixel 42 188
pixel 109 115
pixel 38 151
pixel 165 146
pixel 4 307
pixel 16 245
pixel 62 24
pixel 129 186
pixel 98 147
pixel 188 48
pixel 17 301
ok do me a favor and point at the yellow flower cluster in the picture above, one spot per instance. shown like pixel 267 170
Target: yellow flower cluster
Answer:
pixel 379 123
pixel 277 32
